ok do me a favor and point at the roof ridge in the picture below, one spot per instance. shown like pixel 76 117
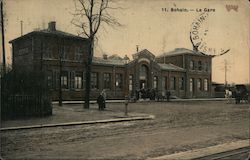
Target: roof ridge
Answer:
pixel 47 31
pixel 178 51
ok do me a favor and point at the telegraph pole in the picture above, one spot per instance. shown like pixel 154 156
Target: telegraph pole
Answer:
pixel 225 62
pixel 61 50
pixel 137 48
pixel 21 27
pixel 3 44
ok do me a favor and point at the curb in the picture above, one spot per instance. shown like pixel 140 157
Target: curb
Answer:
pixel 203 152
pixel 80 123
pixel 122 101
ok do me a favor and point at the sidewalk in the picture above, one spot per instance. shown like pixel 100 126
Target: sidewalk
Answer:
pixel 198 153
pixel 122 100
pixel 73 115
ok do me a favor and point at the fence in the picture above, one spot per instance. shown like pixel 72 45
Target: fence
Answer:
pixel 19 106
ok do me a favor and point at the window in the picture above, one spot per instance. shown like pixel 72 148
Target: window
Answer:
pixel 172 83
pixel 205 84
pixel 78 80
pixel 72 80
pixel 143 72
pixel 199 65
pixel 166 83
pixel 199 84
pixel 195 65
pixel 206 66
pixel 65 52
pixel 155 82
pixel 79 54
pixel 64 79
pixel 163 82
pixel 107 80
pixel 47 51
pixel 130 82
pixel 118 81
pixel 191 85
pixel 191 65
pixel 57 79
pixel 94 80
pixel 50 79
pixel 181 83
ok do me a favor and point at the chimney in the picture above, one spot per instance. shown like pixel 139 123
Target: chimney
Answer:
pixel 105 56
pixel 52 26
pixel 126 59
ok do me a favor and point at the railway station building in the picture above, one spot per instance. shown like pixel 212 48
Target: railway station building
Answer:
pixel 183 72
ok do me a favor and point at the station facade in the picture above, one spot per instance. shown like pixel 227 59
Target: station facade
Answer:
pixel 62 56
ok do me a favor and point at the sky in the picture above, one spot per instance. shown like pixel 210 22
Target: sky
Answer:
pixel 152 25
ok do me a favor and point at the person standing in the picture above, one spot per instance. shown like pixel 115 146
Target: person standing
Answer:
pixel 104 97
pixel 100 102
pixel 168 95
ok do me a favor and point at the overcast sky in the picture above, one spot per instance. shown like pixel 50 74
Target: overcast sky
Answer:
pixel 147 25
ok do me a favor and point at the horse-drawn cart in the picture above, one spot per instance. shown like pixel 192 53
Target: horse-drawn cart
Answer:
pixel 241 94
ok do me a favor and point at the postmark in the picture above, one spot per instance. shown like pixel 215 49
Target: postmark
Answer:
pixel 199 36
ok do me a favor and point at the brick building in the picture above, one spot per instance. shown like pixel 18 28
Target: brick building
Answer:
pixel 198 71
pixel 184 72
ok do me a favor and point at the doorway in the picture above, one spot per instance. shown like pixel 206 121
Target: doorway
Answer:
pixel 143 77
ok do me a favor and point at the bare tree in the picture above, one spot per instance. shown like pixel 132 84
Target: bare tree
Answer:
pixel 89 16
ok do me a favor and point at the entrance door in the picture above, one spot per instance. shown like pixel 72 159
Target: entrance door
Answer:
pixel 143 84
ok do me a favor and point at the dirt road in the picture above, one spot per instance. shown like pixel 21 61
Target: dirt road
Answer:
pixel 178 126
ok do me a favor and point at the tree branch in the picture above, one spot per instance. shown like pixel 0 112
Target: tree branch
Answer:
pixel 96 13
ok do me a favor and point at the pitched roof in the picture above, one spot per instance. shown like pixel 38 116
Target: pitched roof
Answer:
pixel 98 60
pixel 115 57
pixel 170 66
pixel 52 33
pixel 179 51
pixel 144 51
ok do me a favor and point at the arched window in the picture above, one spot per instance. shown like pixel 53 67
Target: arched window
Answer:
pixel 143 72
pixel 191 84
pixel 155 82
pixel 199 84
pixel 181 83
pixel 205 84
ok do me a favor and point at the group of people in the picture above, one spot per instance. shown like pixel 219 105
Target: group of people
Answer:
pixel 149 93
pixel 145 93
pixel 152 94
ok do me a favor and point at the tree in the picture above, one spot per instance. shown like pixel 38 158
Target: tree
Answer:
pixel 2 36
pixel 89 16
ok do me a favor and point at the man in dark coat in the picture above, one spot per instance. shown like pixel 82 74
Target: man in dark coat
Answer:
pixel 168 95
pixel 100 102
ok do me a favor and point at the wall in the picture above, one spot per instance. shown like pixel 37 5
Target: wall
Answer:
pixel 22 53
